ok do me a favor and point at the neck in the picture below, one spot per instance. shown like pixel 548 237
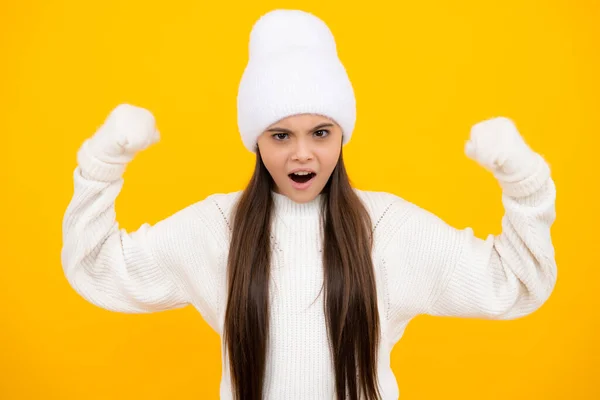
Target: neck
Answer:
pixel 284 206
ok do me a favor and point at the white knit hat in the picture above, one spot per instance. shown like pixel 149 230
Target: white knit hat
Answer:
pixel 293 68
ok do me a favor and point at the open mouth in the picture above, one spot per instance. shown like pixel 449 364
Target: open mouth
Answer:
pixel 302 178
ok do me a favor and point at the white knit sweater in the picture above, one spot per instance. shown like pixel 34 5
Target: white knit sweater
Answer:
pixel 423 266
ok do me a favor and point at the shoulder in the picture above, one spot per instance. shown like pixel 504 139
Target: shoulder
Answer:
pixel 214 206
pixel 219 205
pixel 215 210
pixel 384 205
pixel 396 218
pixel 206 218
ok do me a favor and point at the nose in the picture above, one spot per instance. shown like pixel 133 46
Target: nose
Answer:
pixel 302 151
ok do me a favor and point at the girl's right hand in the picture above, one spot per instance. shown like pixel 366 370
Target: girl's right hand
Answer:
pixel 127 130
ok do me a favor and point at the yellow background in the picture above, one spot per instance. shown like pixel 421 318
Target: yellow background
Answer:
pixel 423 72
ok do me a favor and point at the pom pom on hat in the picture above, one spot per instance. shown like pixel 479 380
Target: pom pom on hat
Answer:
pixel 293 68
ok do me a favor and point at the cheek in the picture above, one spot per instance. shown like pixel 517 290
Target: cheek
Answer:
pixel 329 159
pixel 275 165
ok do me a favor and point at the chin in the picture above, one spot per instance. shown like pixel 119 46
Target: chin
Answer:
pixel 301 196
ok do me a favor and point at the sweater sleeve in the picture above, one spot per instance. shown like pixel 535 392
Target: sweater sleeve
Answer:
pixel 109 267
pixel 457 274
pixel 512 274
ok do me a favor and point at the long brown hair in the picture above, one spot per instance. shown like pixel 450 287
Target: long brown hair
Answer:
pixel 350 304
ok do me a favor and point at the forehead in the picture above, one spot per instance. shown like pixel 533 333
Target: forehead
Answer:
pixel 301 122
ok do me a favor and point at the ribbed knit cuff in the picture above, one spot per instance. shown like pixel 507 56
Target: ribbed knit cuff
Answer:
pixel 528 181
pixel 94 168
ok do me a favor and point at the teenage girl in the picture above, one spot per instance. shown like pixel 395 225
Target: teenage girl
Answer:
pixel 309 281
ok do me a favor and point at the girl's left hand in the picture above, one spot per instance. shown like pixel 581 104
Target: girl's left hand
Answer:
pixel 497 145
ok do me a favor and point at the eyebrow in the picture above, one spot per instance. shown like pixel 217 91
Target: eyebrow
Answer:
pixel 320 126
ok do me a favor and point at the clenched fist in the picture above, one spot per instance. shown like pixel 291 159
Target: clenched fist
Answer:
pixel 497 145
pixel 127 130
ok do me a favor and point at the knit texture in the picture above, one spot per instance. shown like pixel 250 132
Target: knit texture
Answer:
pixel 423 266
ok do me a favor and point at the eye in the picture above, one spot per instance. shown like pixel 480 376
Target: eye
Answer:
pixel 323 132
pixel 277 136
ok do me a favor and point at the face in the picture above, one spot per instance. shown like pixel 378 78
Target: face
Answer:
pixel 304 142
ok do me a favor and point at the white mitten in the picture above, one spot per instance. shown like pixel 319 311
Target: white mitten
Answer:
pixel 127 130
pixel 497 145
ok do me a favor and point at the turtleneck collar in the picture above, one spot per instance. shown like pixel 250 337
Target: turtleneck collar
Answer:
pixel 286 207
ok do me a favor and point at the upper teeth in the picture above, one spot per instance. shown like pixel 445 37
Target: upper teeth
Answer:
pixel 302 173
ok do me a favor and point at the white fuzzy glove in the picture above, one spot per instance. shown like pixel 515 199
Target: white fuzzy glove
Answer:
pixel 127 130
pixel 497 145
